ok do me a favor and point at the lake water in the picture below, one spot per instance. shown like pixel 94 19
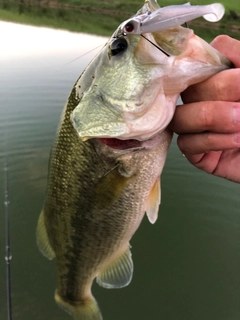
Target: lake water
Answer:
pixel 187 265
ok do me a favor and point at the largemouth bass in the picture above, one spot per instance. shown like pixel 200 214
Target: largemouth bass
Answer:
pixel 111 146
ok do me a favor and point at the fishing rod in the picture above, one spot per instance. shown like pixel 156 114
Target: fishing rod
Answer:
pixel 8 256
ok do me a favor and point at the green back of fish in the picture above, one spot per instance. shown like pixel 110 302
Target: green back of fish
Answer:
pixel 80 218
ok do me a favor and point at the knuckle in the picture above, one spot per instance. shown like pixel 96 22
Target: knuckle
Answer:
pixel 207 141
pixel 237 80
pixel 206 116
pixel 237 73
pixel 220 40
pixel 181 144
pixel 219 89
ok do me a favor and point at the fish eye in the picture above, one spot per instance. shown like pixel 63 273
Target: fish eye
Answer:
pixel 118 46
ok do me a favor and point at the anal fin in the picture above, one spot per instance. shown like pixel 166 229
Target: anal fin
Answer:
pixel 42 239
pixel 119 273
pixel 153 202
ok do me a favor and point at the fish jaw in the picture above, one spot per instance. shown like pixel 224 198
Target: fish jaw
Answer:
pixel 194 59
pixel 126 99
pixel 134 91
pixel 91 118
pixel 128 124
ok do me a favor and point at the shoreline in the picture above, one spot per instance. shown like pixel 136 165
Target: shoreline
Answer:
pixel 98 20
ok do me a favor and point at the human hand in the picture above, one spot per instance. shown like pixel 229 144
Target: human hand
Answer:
pixel 208 123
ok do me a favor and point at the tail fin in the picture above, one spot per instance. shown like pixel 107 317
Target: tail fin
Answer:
pixel 87 310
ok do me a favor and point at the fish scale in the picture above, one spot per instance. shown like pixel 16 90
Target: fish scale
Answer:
pixel 108 227
pixel 110 149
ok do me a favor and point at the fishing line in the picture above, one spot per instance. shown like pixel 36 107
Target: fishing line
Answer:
pixel 168 55
pixel 60 69
pixel 8 256
pixel 101 45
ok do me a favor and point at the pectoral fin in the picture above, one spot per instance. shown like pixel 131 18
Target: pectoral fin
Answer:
pixel 119 273
pixel 153 202
pixel 109 189
pixel 42 239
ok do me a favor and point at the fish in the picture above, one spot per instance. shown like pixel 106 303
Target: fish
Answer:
pixel 109 153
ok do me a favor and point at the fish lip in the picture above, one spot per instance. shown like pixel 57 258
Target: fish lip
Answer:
pixel 122 145
pixel 128 145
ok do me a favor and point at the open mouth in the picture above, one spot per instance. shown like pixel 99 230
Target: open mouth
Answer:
pixel 121 144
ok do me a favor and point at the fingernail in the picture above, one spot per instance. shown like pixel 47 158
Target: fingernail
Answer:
pixel 236 114
pixel 237 137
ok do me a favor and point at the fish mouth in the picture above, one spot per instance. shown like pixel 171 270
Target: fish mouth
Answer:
pixel 118 144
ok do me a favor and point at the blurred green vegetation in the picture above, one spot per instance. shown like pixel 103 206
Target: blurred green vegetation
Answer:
pixel 103 17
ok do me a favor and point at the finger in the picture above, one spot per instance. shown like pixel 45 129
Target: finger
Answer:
pixel 229 47
pixel 223 86
pixel 214 116
pixel 224 164
pixel 206 142
pixel 207 162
